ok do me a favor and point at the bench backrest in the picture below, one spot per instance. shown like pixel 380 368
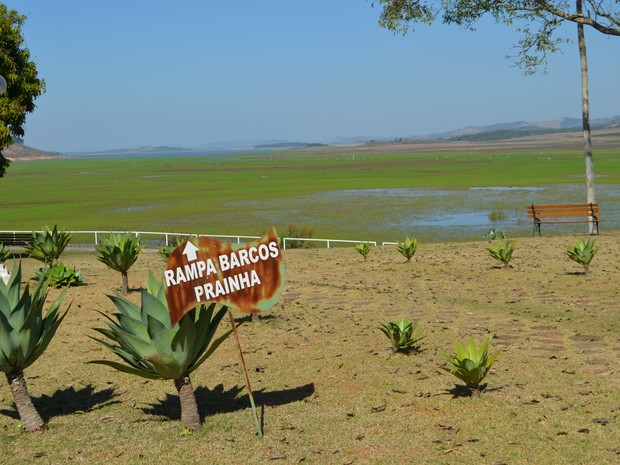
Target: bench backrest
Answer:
pixel 563 211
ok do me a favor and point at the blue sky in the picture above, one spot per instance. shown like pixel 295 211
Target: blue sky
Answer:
pixel 125 73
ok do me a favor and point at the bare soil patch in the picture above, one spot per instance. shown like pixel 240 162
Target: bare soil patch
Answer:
pixel 331 390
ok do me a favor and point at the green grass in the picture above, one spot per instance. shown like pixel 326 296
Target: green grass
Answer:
pixel 248 194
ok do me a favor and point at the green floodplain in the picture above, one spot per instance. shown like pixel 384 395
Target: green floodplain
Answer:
pixel 338 194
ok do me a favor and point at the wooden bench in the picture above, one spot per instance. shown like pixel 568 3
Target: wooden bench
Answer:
pixel 559 214
pixel 15 238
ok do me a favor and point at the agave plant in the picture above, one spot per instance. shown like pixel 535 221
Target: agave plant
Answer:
pixel 59 276
pixel 167 250
pixel 25 333
pixel 583 252
pixel 408 248
pixel 494 233
pixel 404 335
pixel 502 252
pixel 471 364
pixel 151 348
pixel 363 248
pixel 47 246
pixel 4 254
pixel 119 252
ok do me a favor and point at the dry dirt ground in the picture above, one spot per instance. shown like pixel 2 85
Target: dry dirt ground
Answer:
pixel 331 390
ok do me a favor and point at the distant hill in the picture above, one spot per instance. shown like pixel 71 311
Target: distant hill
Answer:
pixel 520 128
pixel 23 152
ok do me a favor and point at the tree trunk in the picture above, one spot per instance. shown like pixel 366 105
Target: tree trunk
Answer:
pixel 474 392
pixel 125 289
pixel 585 117
pixel 27 412
pixel 189 409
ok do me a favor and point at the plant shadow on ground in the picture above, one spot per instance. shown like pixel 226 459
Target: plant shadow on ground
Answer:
pixel 460 390
pixel 67 401
pixel 218 400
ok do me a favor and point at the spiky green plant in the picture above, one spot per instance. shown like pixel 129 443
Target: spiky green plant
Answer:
pixel 583 252
pixel 119 252
pixel 404 335
pixel 47 246
pixel 494 233
pixel 408 248
pixel 25 333
pixel 363 249
pixel 502 252
pixel 58 276
pixel 4 254
pixel 471 364
pixel 167 250
pixel 150 347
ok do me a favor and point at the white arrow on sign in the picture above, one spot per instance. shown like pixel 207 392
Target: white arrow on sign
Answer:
pixel 190 251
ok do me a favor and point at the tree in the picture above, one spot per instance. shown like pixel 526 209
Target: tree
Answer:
pixel 23 85
pixel 538 21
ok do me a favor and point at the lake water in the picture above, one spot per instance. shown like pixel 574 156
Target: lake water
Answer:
pixel 432 214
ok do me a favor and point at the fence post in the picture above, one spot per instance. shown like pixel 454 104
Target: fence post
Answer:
pixel 284 243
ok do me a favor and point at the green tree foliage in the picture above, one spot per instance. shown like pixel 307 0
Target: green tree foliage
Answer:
pixel 23 85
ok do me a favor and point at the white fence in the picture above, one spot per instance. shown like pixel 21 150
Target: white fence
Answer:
pixel 164 238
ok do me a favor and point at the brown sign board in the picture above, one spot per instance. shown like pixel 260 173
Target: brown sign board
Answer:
pixel 249 277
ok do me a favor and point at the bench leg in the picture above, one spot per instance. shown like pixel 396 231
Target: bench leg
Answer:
pixel 536 228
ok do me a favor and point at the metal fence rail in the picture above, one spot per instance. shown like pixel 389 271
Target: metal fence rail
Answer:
pixel 158 238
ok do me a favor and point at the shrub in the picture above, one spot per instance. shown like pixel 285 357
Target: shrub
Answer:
pixel 48 246
pixel 59 276
pixel 583 252
pixel 363 248
pixel 299 232
pixel 404 335
pixel 471 364
pixel 408 248
pixel 502 252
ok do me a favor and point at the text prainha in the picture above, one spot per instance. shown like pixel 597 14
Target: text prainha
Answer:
pixel 201 269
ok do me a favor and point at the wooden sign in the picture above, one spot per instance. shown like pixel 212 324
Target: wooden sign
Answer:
pixel 249 277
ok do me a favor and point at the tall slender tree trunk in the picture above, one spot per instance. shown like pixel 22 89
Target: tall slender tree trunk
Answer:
pixel 190 418
pixel 27 412
pixel 585 116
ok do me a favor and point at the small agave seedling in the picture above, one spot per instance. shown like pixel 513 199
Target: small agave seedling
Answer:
pixel 583 252
pixel 408 248
pixel 47 246
pixel 25 333
pixel 493 234
pixel 404 335
pixel 471 364
pixel 119 252
pixel 59 276
pixel 502 252
pixel 150 347
pixel 363 248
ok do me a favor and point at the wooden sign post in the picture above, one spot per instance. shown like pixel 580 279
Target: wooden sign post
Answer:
pixel 248 277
